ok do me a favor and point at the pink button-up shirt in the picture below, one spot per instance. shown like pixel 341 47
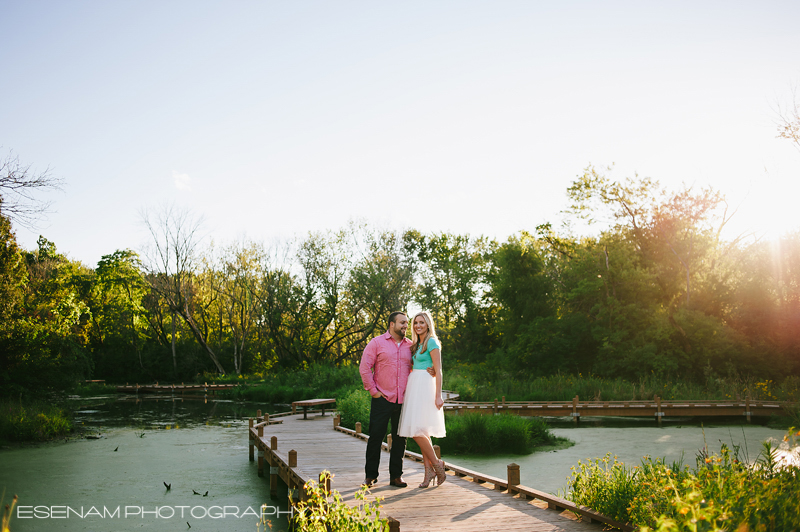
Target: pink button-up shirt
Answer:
pixel 385 367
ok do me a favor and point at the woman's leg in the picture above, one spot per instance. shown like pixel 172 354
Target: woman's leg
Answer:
pixel 428 454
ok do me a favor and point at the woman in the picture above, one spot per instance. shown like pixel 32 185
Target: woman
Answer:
pixel 422 416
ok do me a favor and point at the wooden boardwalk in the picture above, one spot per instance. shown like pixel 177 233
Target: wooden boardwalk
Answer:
pixel 467 501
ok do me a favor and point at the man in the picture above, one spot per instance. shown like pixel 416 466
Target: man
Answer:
pixel 384 368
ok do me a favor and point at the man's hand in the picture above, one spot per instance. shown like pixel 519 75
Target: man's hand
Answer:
pixel 431 371
pixel 377 394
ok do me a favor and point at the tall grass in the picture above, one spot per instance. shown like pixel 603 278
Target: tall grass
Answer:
pixel 480 383
pixel 33 421
pixel 722 491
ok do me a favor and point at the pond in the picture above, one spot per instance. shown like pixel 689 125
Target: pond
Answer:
pixel 629 440
pixel 198 445
pixel 192 445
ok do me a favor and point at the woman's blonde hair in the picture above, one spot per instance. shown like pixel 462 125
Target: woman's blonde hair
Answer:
pixel 431 331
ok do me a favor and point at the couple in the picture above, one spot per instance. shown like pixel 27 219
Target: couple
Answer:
pixel 406 388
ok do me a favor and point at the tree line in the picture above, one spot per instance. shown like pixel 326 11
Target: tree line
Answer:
pixel 657 290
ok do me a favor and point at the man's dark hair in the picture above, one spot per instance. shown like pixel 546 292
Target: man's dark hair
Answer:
pixel 393 317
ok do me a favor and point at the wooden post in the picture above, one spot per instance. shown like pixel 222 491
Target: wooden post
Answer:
pixel 294 408
pixel 394 524
pixel 258 415
pixel 495 406
pixel 437 451
pixel 273 470
pixel 659 413
pixel 747 407
pixel 260 452
pixel 575 415
pixel 266 417
pixel 504 400
pixel 389 441
pixel 250 438
pixel 513 477
pixel 358 427
pixel 292 458
pixel 336 420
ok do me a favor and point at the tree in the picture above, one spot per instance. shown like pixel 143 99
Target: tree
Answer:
pixel 789 121
pixel 18 188
pixel 171 264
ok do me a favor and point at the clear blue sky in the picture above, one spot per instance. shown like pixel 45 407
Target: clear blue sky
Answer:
pixel 276 118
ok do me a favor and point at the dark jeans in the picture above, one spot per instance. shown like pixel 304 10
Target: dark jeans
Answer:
pixel 380 412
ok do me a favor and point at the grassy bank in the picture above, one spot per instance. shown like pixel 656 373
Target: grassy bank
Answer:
pixel 32 421
pixel 466 434
pixel 722 491
pixel 316 381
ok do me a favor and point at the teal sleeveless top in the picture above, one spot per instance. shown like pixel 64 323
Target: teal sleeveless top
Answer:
pixel 422 359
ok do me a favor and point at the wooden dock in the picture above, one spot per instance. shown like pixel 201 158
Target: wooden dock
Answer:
pixel 656 408
pixel 174 388
pixel 298 450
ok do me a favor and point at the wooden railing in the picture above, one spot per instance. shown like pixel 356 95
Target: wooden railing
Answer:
pixel 657 408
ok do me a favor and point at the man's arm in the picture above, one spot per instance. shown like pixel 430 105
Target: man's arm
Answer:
pixel 366 367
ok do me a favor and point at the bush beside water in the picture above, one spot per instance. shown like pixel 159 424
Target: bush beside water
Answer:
pixel 721 492
pixel 467 433
pixel 32 421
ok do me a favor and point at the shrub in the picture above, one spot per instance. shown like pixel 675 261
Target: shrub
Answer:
pixel 327 512
pixel 721 492
pixel 355 407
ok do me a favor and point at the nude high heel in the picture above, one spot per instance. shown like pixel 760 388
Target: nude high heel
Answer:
pixel 430 473
pixel 440 474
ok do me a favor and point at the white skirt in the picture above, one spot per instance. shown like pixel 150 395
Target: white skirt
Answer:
pixel 419 416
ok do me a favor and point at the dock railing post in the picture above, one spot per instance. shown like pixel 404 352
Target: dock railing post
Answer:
pixel 659 413
pixel 336 420
pixel 575 414
pixel 250 438
pixel 358 427
pixel 495 407
pixel 513 477
pixel 438 451
pixel 266 417
pixel 394 525
pixel 273 470
pixel 260 452
pixel 747 407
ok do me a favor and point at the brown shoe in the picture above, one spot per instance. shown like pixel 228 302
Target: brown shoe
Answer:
pixel 369 482
pixel 398 482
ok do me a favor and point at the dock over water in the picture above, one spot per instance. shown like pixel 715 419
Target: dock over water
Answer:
pixel 297 450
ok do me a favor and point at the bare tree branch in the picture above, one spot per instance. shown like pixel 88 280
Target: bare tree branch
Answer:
pixel 18 188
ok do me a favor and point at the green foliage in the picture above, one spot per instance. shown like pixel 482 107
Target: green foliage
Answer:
pixel 501 434
pixel 327 512
pixel 354 407
pixel 285 386
pixel 32 421
pixel 722 492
